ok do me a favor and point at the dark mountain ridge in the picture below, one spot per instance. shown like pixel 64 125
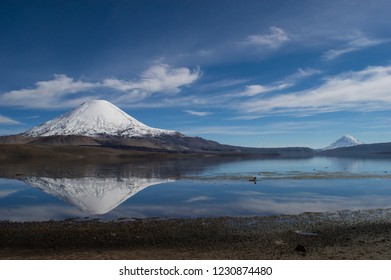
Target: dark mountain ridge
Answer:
pixel 176 143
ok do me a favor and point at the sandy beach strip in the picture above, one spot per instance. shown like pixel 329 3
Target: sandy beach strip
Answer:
pixel 361 234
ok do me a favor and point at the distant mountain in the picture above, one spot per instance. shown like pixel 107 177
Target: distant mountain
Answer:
pixel 377 150
pixel 344 141
pixel 96 118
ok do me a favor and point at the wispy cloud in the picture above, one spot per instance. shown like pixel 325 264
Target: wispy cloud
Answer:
pixel 63 91
pixel 198 113
pixel 198 53
pixel 287 82
pixel 220 84
pixel 158 78
pixel 355 43
pixel 253 90
pixel 8 121
pixel 301 74
pixel 246 118
pixel 229 96
pixel 274 39
pixel 225 130
pixel 12 130
pixel 220 130
pixel 266 129
pixel 48 94
pixel 5 193
pixel 365 90
pixel 198 198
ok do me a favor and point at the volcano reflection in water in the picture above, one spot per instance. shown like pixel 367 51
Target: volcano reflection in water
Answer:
pixel 93 195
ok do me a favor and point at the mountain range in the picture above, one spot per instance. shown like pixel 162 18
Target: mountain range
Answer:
pixel 98 123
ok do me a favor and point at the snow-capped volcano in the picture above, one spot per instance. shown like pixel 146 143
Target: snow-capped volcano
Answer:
pixel 96 118
pixel 344 141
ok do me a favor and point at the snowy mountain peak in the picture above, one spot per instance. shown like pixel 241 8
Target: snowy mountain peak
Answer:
pixel 344 141
pixel 96 118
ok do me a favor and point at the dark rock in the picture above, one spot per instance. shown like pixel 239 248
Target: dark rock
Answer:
pixel 301 249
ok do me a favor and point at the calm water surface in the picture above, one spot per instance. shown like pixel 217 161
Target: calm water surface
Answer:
pixel 194 188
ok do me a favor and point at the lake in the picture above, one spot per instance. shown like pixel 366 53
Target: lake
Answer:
pixel 192 188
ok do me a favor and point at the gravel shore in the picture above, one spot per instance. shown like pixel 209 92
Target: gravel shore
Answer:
pixel 364 234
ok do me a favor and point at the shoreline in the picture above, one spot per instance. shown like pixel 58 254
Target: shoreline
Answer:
pixel 361 234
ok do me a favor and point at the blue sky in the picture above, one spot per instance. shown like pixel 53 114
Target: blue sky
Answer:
pixel 250 73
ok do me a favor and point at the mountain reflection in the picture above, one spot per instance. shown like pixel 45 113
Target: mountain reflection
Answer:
pixel 93 195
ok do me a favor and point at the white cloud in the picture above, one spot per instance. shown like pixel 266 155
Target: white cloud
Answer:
pixel 48 94
pixel 365 90
pixel 158 78
pixel 273 40
pixel 198 113
pixel 64 92
pixel 7 121
pixel 252 90
pixel 356 42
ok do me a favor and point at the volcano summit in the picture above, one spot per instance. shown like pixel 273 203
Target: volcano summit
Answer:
pixel 96 118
